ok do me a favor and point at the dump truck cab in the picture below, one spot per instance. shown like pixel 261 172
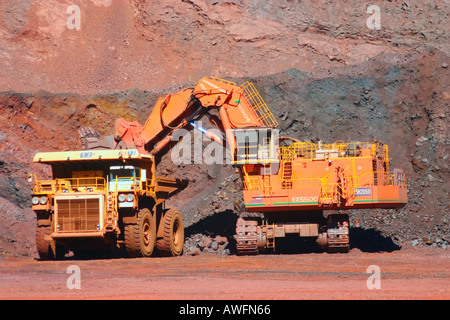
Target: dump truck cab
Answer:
pixel 103 199
pixel 124 180
pixel 126 177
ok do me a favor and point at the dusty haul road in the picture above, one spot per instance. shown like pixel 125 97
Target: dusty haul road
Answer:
pixel 403 274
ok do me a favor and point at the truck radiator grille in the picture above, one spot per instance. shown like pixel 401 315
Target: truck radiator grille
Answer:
pixel 75 215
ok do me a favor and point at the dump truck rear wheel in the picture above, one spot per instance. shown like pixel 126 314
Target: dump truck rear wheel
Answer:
pixel 172 242
pixel 140 238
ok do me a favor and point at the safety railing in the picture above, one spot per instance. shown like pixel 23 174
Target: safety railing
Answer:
pixel 255 154
pixel 112 212
pixel 262 110
pixel 257 102
pixel 395 178
pixel 388 178
pixel 309 150
pixel 298 150
pixel 252 182
pixel 133 180
pixel 384 178
pixel 336 189
pixel 231 83
pixel 87 184
pixel 44 186
pixel 137 183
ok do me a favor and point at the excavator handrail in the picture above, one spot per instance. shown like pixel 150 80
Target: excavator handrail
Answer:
pixel 265 114
pixel 389 178
pixel 309 150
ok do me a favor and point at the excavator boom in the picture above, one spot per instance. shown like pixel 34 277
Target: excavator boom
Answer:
pixel 239 107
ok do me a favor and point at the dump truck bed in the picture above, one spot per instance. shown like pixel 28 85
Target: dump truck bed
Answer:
pixel 167 187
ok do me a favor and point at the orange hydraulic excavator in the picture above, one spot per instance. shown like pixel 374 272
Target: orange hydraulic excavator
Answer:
pixel 292 186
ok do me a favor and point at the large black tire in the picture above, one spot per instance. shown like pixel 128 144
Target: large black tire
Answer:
pixel 44 246
pixel 46 249
pixel 140 238
pixel 172 242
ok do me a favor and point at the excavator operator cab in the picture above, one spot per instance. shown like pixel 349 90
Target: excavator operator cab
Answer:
pixel 256 145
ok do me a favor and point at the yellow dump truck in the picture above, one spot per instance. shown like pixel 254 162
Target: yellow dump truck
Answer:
pixel 105 199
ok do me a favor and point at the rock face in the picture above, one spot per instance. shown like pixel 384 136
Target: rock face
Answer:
pixel 321 70
pixel 155 44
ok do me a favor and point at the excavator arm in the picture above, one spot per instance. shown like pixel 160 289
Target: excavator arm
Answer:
pixel 239 107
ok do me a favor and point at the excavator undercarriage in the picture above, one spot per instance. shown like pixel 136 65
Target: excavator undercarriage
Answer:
pixel 331 234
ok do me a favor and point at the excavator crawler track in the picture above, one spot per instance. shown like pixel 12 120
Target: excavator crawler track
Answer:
pixel 246 237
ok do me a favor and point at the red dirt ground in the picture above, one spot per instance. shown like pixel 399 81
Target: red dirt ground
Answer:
pixel 405 274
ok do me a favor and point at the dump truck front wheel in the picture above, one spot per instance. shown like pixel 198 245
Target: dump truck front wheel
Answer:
pixel 140 237
pixel 47 249
pixel 42 244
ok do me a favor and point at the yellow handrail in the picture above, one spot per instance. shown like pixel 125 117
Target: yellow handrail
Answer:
pixel 309 150
pixel 389 178
pixel 69 185
pixel 262 110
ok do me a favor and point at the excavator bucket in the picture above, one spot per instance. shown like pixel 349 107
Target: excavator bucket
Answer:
pixel 91 139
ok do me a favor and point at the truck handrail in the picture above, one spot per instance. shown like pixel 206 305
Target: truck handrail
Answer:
pixel 85 184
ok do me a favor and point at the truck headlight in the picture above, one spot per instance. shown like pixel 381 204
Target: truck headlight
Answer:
pixel 130 197
pixel 35 201
pixel 121 197
pixel 43 200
